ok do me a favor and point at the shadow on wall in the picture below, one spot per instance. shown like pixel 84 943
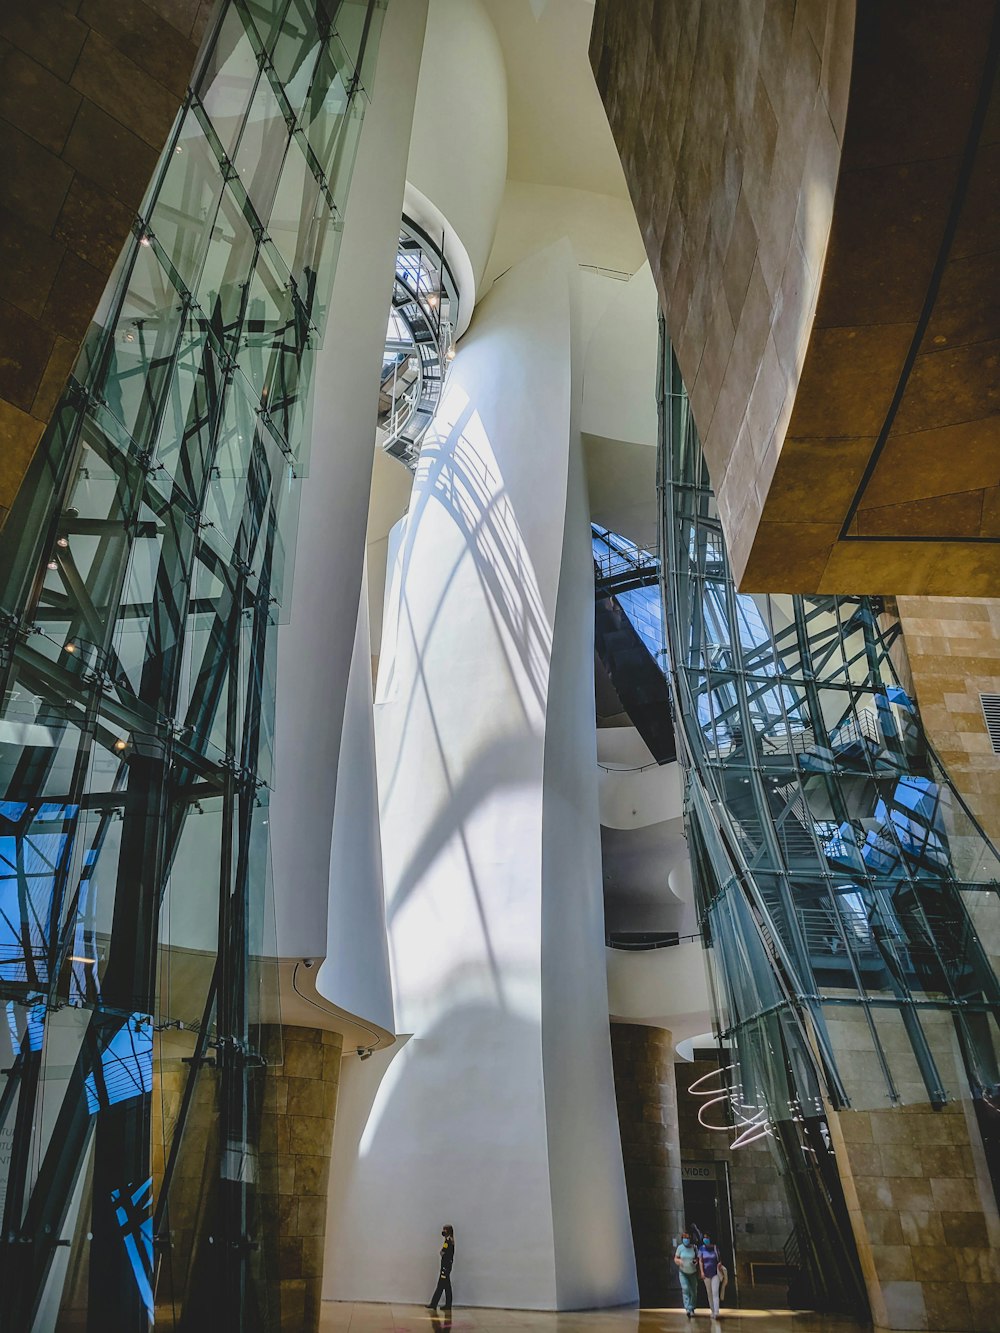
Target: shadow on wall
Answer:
pixel 458 475
pixel 376 1159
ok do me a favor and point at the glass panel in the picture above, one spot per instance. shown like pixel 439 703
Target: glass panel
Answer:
pixel 140 572
pixel 229 79
pixel 184 442
pixel 229 260
pixel 297 216
pixel 358 25
pixel 296 47
pixel 327 117
pixel 140 349
pixel 262 148
pixel 186 204
pixel 840 853
pixel 269 328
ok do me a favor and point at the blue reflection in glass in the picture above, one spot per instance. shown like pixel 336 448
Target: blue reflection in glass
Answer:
pixel 134 1213
pixel 34 1027
pixel 126 1068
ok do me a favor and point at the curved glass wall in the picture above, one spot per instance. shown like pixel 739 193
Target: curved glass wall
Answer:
pixel 419 343
pixel 142 573
pixel 849 899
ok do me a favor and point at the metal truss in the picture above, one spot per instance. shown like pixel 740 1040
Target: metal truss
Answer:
pixel 844 887
pixel 142 570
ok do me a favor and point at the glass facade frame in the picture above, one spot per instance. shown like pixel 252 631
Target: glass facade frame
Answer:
pixel 848 897
pixel 142 573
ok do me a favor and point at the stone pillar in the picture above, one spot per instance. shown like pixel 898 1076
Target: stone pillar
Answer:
pixel 297 1128
pixel 647 1117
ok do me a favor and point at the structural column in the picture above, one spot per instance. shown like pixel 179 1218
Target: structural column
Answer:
pixel 498 1115
pixel 299 1114
pixel 647 1116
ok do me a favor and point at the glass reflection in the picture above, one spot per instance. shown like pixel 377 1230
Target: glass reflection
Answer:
pixel 843 885
pixel 141 568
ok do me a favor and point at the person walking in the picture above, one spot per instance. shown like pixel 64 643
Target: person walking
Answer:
pixel 686 1259
pixel 709 1265
pixel 443 1287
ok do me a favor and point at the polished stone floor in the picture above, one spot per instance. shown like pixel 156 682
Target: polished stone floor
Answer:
pixel 344 1317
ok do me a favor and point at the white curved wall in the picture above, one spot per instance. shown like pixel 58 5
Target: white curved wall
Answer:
pixel 619 388
pixel 355 973
pixel 633 798
pixel 458 144
pixel 315 647
pixel 498 1115
pixel 662 987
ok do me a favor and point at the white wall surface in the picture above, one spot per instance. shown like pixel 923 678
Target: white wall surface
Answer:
pixel 390 497
pixel 498 1116
pixel 458 146
pixel 619 388
pixel 601 228
pixel 315 648
pixel 662 987
pixel 355 973
pixel 589 1205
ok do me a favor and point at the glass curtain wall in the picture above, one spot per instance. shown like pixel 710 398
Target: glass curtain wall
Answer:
pixel 849 899
pixel 142 573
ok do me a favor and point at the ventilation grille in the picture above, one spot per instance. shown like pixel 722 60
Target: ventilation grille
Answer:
pixel 991 712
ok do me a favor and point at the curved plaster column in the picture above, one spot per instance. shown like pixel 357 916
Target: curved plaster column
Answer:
pixel 316 646
pixel 498 1115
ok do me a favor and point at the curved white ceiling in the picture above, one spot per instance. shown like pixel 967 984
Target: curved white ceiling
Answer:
pixel 558 133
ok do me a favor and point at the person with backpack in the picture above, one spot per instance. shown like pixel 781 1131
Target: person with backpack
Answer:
pixel 710 1268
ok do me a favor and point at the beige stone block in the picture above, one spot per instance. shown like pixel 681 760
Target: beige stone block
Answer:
pixel 856 1126
pixel 865 1160
pixel 911 1194
pixel 311 1219
pixel 311 1175
pixel 893 1262
pixel 301 1059
pixel 947 1305
pixel 900 1160
pixel 984 1304
pixel 309 1097
pixel 954 1195
pixel 875 1195
pixel 945 1160
pixel 310 1135
pixel 286 1175
pixel 904 1305
pixel 922 1228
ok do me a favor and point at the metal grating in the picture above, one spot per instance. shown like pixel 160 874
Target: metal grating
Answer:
pixel 991 714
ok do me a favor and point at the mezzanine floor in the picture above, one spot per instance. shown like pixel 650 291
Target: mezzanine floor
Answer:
pixel 345 1317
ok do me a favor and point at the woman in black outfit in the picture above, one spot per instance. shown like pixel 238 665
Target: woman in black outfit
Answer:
pixel 443 1287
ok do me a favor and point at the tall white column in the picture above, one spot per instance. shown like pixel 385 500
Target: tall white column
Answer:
pixel 498 1115
pixel 315 647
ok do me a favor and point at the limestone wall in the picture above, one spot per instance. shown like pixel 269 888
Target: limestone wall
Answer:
pixel 647 1118
pixel 953 650
pixel 729 121
pixel 299 1113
